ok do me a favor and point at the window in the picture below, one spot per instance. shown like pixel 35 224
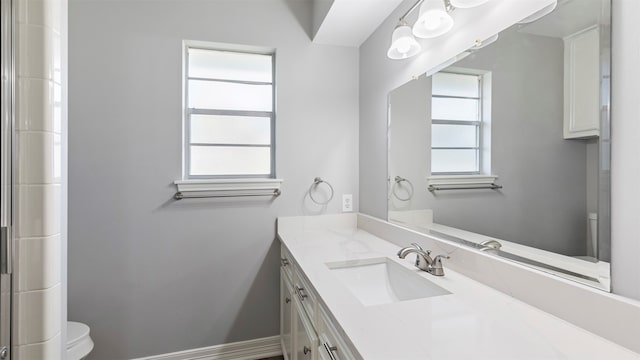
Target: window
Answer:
pixel 229 115
pixel 456 127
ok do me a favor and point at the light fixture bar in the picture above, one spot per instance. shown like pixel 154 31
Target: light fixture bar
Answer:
pixel 412 9
pixel 434 20
pixel 447 5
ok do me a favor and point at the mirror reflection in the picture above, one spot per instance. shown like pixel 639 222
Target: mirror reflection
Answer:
pixel 506 150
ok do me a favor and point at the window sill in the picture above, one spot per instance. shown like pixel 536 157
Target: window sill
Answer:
pixel 461 179
pixel 202 188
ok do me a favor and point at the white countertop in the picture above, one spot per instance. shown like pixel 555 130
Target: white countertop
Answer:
pixel 473 322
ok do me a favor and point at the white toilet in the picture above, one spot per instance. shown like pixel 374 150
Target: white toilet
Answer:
pixel 79 343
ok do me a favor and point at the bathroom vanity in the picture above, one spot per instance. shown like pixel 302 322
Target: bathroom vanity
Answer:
pixel 346 295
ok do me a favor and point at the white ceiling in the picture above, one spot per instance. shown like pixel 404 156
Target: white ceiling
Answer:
pixel 351 22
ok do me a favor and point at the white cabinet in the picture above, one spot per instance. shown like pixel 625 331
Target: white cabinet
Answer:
pixel 582 84
pixel 286 320
pixel 306 329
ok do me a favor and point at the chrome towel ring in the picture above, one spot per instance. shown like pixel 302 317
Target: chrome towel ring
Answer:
pixel 398 182
pixel 316 182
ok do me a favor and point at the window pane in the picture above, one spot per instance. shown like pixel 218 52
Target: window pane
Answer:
pixel 454 161
pixel 454 109
pixel 456 85
pixel 224 65
pixel 229 96
pixel 445 135
pixel 222 129
pixel 218 160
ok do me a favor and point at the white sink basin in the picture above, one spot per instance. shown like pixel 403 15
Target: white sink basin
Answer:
pixel 382 281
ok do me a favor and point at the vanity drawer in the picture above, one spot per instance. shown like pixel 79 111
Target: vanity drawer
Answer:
pixel 332 346
pixel 305 294
pixel 286 262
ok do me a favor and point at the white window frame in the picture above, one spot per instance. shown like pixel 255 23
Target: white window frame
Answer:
pixel 194 111
pixel 225 186
pixel 485 175
pixel 478 125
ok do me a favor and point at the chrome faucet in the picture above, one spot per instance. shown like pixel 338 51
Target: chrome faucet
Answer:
pixel 491 244
pixel 424 261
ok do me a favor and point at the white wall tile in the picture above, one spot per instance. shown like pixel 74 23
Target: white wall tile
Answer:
pixel 36 104
pixel 49 350
pixel 57 158
pixel 56 46
pixel 38 217
pixel 57 108
pixel 40 12
pixel 37 163
pixel 38 315
pixel 36 52
pixel 38 210
pixel 39 260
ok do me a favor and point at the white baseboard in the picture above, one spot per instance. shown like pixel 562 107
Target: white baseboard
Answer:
pixel 242 350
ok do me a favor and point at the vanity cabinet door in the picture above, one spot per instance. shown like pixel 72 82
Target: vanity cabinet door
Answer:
pixel 286 317
pixel 582 84
pixel 306 344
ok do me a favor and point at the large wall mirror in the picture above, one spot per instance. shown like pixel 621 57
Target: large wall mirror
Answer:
pixel 506 148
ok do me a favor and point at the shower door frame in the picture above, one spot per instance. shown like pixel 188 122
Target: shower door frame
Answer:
pixel 7 14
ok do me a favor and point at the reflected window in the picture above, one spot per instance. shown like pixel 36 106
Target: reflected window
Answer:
pixel 457 123
pixel 229 114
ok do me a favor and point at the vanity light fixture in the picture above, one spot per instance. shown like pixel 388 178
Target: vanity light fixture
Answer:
pixel 433 21
pixel 482 43
pixel 403 44
pixel 464 4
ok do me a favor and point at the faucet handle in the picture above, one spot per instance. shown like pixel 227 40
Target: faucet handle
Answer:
pixel 438 259
pixel 436 265
pixel 415 245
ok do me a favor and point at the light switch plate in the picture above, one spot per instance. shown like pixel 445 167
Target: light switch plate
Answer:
pixel 347 202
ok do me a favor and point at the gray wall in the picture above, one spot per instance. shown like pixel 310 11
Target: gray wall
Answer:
pixel 543 202
pixel 409 143
pixel 152 275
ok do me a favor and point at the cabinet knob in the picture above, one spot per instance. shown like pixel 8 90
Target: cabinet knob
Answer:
pixel 301 295
pixel 330 350
pixel 306 350
pixel 287 300
pixel 284 261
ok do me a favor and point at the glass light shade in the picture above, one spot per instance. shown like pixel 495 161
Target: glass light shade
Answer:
pixel 403 44
pixel 433 20
pixel 464 4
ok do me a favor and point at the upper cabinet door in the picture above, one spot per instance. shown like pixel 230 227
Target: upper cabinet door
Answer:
pixel 582 84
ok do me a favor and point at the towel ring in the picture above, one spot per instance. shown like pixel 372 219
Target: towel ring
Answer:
pixel 316 182
pixel 399 180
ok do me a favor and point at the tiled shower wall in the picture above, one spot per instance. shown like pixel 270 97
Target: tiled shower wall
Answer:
pixel 37 331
